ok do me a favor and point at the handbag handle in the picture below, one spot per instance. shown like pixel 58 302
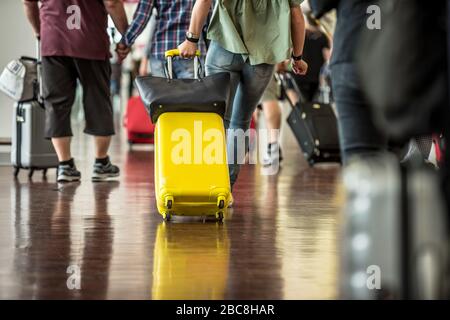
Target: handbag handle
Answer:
pixel 170 54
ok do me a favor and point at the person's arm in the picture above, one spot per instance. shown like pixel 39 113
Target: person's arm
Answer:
pixel 198 18
pixel 298 39
pixel 31 8
pixel 143 67
pixel 325 44
pixel 116 10
pixel 326 52
pixel 140 20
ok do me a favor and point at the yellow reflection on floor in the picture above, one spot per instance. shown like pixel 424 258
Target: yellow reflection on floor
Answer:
pixel 190 261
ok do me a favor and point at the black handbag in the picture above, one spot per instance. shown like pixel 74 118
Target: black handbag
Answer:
pixel 403 68
pixel 207 94
pixel 321 7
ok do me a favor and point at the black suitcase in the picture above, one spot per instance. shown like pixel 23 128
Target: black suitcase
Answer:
pixel 314 125
pixel 395 242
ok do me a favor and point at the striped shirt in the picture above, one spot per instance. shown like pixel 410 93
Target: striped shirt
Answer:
pixel 173 22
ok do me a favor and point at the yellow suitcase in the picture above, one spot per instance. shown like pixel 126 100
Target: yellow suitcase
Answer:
pixel 191 170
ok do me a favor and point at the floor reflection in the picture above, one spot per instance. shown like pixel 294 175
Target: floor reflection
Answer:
pixel 309 271
pixel 278 242
pixel 190 261
pixel 98 248
pixel 48 240
pixel 42 234
pixel 255 263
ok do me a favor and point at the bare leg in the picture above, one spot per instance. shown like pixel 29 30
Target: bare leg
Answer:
pixel 272 114
pixel 102 146
pixel 293 96
pixel 62 148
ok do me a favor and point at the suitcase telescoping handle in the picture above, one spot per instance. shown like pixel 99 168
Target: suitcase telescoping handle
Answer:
pixel 170 54
pixel 286 78
pixel 39 69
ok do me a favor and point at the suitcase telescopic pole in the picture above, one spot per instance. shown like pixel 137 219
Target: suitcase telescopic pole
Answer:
pixel 174 53
pixel 39 70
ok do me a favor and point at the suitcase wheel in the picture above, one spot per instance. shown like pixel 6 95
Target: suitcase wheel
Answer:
pixel 169 202
pixel 221 202
pixel 167 216
pixel 16 171
pixel 219 216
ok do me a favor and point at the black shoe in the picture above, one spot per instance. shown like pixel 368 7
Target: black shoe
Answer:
pixel 104 172
pixel 68 173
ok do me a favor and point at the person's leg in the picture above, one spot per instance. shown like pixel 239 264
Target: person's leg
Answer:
pixel 183 69
pixel 254 81
pixel 102 146
pixel 445 172
pixel 95 78
pixel 272 116
pixel 357 132
pixel 220 60
pixel 272 110
pixel 59 87
pixel 62 148
pixel 157 67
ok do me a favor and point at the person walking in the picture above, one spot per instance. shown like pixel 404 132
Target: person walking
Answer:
pixel 171 25
pixel 247 39
pixel 357 131
pixel 75 46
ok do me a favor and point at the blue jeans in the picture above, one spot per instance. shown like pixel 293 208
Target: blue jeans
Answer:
pixel 357 132
pixel 248 83
pixel 182 68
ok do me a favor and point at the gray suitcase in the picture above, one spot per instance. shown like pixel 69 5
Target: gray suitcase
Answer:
pixel 30 150
pixel 395 232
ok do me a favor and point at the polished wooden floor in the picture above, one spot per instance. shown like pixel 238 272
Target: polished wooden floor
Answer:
pixel 279 241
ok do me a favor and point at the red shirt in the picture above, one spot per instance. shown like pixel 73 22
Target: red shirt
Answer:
pixel 60 35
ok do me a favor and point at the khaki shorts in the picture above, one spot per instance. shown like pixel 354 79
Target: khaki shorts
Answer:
pixel 272 92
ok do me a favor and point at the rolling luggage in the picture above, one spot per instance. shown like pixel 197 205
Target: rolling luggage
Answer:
pixel 30 149
pixel 314 125
pixel 140 129
pixel 395 241
pixel 191 170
